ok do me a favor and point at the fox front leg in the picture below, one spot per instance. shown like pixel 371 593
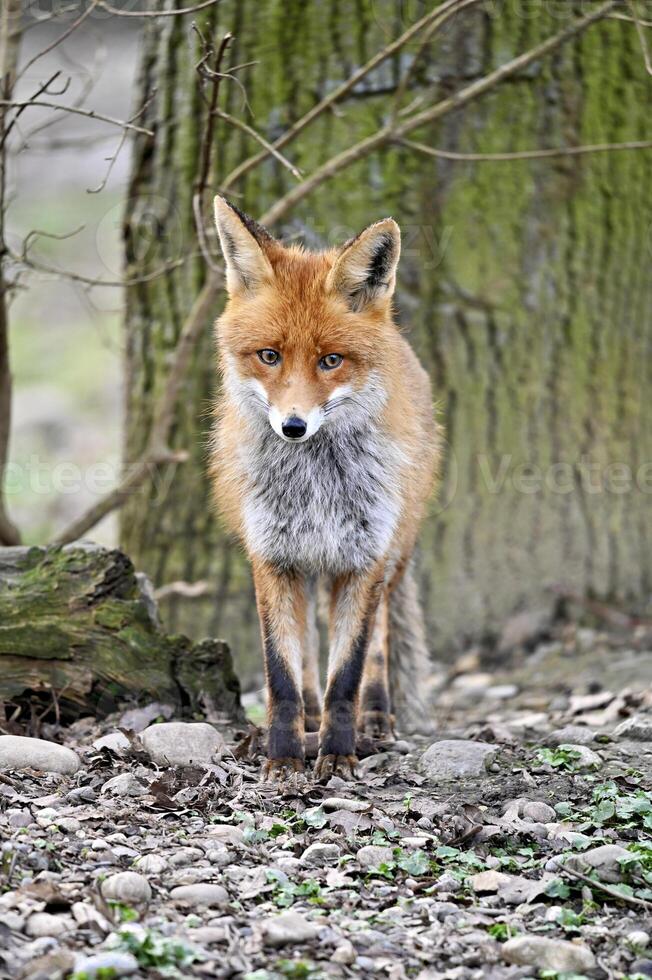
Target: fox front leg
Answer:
pixel 353 604
pixel 281 600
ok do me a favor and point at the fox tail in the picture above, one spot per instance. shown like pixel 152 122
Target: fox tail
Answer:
pixel 410 666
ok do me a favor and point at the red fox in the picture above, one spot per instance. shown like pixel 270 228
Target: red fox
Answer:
pixel 324 455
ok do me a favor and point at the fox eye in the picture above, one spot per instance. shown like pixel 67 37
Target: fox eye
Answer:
pixel 330 361
pixel 269 356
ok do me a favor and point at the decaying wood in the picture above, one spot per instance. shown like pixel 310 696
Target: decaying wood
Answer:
pixel 79 625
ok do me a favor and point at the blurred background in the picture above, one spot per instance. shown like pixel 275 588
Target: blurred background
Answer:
pixel 525 281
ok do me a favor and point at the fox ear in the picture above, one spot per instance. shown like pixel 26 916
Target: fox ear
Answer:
pixel 244 244
pixel 365 269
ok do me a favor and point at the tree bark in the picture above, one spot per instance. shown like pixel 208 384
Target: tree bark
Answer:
pixel 10 31
pixel 523 287
pixel 80 631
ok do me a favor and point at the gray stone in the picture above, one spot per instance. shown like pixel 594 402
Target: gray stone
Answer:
pixel 638 729
pixel 453 758
pixel 372 856
pixel 185 856
pixel 320 855
pixel 199 894
pixel 127 887
pixel 137 719
pixel 43 924
pixel 121 963
pixel 588 759
pixel 19 817
pixel 178 743
pixel 152 864
pixel 548 954
pixel 638 938
pixel 344 953
pixel 125 784
pixel 604 859
pixel 115 741
pixel 488 881
pixel 535 811
pixel 573 734
pixel 20 752
pixel 289 927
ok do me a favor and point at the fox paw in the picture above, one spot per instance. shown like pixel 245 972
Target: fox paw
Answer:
pixel 285 772
pixel 335 765
pixel 377 725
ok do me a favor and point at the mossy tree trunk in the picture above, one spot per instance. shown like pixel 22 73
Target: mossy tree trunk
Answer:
pixel 524 287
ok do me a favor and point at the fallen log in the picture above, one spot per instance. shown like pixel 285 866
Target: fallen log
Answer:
pixel 79 627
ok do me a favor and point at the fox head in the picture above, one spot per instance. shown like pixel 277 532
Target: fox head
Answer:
pixel 303 337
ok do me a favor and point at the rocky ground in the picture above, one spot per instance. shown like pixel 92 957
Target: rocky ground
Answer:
pixel 516 842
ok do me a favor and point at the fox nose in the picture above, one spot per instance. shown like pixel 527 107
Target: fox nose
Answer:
pixel 294 427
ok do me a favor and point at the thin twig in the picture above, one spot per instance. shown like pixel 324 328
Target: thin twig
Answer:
pixel 641 36
pixel 561 151
pixel 337 94
pixel 155 13
pixel 75 110
pixel 459 99
pixel 187 590
pixel 62 37
pixel 269 147
pixel 30 263
pixel 632 899
pixel 157 451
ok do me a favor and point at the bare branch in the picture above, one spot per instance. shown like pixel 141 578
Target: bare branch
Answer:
pixel 561 151
pixel 75 110
pixel 157 451
pixel 62 37
pixel 451 6
pixel 117 12
pixel 269 147
pixel 186 590
pixel 459 99
pixel 641 36
pixel 603 887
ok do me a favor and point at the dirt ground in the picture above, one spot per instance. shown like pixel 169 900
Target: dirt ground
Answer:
pixel 520 845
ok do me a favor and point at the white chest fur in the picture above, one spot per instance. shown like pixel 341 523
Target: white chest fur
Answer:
pixel 329 505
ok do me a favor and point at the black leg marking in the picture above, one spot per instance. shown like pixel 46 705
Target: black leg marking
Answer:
pixel 339 703
pixel 285 704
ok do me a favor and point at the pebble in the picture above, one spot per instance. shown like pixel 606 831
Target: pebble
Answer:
pixel 226 833
pixel 42 924
pixel 488 881
pixel 136 719
pixel 185 856
pixel 289 927
pixel 151 863
pixel 344 953
pixel 19 817
pixel 573 734
pixel 200 894
pixel 319 855
pixel 128 887
pixel 452 758
pixel 588 759
pixel 122 964
pixel 178 743
pixel 644 967
pixel 372 856
pixel 115 741
pixel 21 752
pixel 638 938
pixel 535 811
pixel 605 859
pixel 548 954
pixel 638 728
pixel 219 856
